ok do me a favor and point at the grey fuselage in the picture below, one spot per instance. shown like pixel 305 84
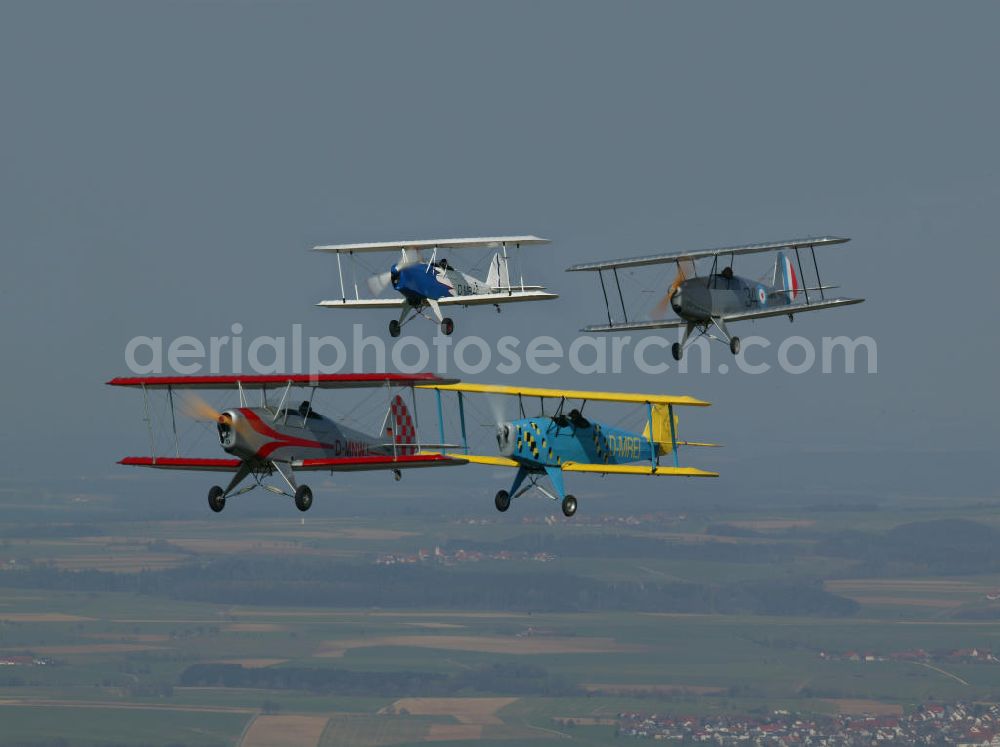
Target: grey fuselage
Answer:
pixel 700 299
pixel 259 434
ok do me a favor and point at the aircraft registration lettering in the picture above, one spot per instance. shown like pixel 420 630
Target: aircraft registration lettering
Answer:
pixel 624 446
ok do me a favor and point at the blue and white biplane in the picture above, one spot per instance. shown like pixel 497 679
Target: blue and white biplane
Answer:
pixel 430 283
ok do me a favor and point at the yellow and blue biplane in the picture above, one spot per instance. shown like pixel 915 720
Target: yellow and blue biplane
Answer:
pixel 547 445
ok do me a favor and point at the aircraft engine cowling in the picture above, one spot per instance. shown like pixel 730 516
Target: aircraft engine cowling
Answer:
pixel 232 427
pixel 505 439
pixel 676 301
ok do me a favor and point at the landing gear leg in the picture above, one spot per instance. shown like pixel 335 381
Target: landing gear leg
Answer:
pixel 217 496
pixel 677 349
pixel 734 342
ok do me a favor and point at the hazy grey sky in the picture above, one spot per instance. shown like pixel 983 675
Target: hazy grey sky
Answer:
pixel 164 168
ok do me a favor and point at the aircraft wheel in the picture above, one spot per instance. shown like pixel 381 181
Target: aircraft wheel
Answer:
pixel 397 475
pixel 569 505
pixel 502 501
pixel 677 351
pixel 447 325
pixel 394 328
pixel 303 498
pixel 734 345
pixel 216 498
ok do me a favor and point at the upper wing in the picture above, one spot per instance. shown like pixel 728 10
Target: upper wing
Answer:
pixel 796 308
pixel 656 259
pixel 634 469
pixel 184 463
pixel 353 464
pixel 271 381
pixel 472 243
pixel 653 399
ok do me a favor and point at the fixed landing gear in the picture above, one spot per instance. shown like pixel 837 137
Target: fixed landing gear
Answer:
pixel 447 325
pixel 397 475
pixel 502 501
pixel 394 328
pixel 677 351
pixel 569 505
pixel 216 498
pixel 303 498
pixel 734 345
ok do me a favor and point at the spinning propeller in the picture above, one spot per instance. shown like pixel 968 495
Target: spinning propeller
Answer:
pixel 378 283
pixel 684 267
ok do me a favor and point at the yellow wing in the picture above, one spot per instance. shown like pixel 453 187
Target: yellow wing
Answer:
pixel 654 399
pixel 634 469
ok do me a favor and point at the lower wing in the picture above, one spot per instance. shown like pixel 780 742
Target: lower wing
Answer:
pixel 604 469
pixel 188 463
pixel 797 308
pixel 742 316
pixel 360 463
pixel 471 300
pixel 634 469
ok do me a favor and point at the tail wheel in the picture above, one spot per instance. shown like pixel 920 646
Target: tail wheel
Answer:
pixel 397 475
pixel 677 350
pixel 734 345
pixel 303 498
pixel 393 328
pixel 569 505
pixel 216 498
pixel 447 325
pixel 502 501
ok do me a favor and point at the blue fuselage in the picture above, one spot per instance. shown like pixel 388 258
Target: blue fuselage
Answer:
pixel 540 442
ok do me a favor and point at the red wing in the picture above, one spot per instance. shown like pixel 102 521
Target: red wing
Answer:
pixel 320 381
pixel 344 464
pixel 189 463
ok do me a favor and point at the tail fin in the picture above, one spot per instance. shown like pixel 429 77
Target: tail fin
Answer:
pixel 499 274
pixel 403 432
pixel 661 428
pixel 784 277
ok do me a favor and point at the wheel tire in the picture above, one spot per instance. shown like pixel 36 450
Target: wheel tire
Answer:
pixel 734 345
pixel 447 325
pixel 303 498
pixel 393 328
pixel 502 501
pixel 677 350
pixel 569 506
pixel 216 498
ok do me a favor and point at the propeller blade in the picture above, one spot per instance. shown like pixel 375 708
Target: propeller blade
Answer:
pixel 198 409
pixel 683 268
pixel 378 283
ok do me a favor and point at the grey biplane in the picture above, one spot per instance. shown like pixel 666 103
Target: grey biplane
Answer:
pixel 425 283
pixel 712 301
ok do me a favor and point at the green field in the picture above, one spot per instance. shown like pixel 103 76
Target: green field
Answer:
pixel 112 616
